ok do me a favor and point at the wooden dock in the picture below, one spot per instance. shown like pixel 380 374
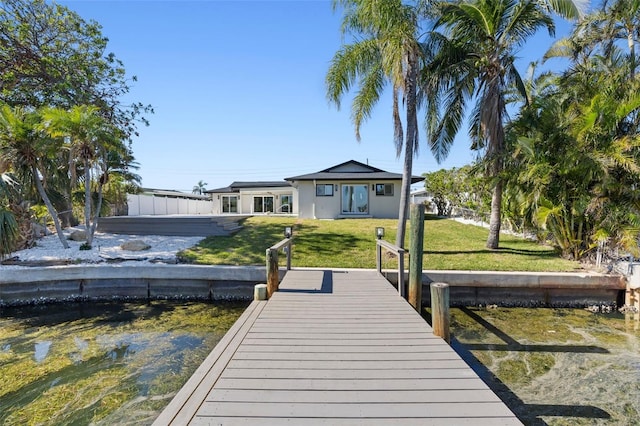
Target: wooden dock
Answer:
pixel 334 348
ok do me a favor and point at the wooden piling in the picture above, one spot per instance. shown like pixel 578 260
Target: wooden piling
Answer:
pixel 440 310
pixel 415 258
pixel 273 278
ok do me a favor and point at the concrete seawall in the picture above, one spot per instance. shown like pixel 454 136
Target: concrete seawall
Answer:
pixel 100 282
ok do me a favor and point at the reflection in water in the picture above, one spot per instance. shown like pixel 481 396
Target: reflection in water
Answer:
pixel 555 366
pixel 41 349
pixel 102 363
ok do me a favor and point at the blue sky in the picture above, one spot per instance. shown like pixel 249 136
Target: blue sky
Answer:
pixel 238 91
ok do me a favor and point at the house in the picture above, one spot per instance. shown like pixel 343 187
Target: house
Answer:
pixel 253 198
pixel 350 189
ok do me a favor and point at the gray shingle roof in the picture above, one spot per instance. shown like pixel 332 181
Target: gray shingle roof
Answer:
pixel 365 172
pixel 237 186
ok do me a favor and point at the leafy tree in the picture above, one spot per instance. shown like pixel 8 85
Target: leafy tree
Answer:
pixel 26 149
pixel 462 187
pixel 575 159
pixel 386 50
pixel 50 56
pixel 440 187
pixel 474 60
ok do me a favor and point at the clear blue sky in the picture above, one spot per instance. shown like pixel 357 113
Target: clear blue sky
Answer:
pixel 238 91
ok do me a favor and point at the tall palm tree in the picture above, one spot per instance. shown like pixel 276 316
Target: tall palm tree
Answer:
pixel 86 134
pixel 386 50
pixel 474 60
pixel 26 149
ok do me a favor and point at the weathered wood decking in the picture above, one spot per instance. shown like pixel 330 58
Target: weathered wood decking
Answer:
pixel 334 348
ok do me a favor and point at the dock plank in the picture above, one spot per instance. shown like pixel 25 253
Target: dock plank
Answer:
pixel 335 348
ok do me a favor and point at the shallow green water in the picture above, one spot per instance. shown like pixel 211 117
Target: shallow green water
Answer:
pixel 102 363
pixel 555 366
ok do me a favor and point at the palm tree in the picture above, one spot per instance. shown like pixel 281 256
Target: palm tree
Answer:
pixel 617 20
pixel 200 187
pixel 86 135
pixel 25 148
pixel 386 51
pixel 474 60
pixel 9 227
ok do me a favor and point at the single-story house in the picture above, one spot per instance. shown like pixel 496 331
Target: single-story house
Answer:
pixel 350 189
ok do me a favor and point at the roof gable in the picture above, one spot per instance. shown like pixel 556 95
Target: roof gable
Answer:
pixel 352 171
pixel 352 166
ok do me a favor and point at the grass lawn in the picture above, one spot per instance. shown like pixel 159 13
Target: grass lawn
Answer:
pixel 350 243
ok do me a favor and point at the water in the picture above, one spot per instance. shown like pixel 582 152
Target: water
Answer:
pixel 102 363
pixel 110 364
pixel 555 366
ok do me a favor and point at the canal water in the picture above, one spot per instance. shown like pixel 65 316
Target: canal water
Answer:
pixel 102 363
pixel 555 366
pixel 121 363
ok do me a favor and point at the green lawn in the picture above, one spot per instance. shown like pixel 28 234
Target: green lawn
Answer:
pixel 350 243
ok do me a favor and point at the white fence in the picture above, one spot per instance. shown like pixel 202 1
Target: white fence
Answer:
pixel 141 204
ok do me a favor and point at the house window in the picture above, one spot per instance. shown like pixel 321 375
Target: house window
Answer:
pixel 286 202
pixel 263 204
pixel 384 189
pixel 324 190
pixel 229 204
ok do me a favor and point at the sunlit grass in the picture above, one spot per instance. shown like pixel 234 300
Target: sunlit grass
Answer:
pixel 350 243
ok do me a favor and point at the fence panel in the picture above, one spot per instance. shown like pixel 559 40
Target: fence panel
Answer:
pixel 142 204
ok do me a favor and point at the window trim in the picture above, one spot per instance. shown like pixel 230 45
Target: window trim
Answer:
pixel 228 203
pixel 384 192
pixel 324 185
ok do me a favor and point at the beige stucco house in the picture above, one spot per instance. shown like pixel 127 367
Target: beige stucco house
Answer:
pixel 347 190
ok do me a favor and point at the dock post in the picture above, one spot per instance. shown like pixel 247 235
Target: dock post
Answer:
pixel 260 292
pixel 440 310
pixel 273 278
pixel 415 255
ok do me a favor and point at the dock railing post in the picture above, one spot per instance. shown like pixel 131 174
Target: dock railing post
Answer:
pixel 416 254
pixel 402 288
pixel 287 250
pixel 273 278
pixel 440 310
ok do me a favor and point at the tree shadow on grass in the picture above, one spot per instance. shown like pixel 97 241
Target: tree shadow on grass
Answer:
pixel 523 252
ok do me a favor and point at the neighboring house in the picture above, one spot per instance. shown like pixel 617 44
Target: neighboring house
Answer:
pixel 253 198
pixel 422 196
pixel 350 189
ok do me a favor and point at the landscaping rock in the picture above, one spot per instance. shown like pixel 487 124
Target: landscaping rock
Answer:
pixel 78 236
pixel 135 245
pixel 40 231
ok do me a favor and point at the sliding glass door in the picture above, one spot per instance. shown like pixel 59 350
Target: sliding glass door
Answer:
pixel 355 199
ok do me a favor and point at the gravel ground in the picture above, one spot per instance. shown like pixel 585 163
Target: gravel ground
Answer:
pixel 105 247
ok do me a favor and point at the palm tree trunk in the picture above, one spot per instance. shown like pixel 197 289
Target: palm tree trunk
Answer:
pixel 410 145
pixel 494 222
pixel 52 211
pixel 87 202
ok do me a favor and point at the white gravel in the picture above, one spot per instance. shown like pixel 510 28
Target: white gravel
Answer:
pixel 105 247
